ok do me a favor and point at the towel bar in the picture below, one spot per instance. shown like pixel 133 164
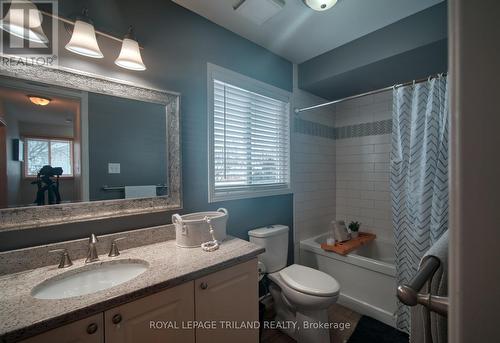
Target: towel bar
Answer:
pixel 408 294
pixel 122 188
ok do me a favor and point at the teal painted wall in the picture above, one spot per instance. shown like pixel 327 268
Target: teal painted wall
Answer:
pixel 177 46
pixel 411 48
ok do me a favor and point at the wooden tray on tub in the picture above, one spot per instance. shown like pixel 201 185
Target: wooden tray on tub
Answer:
pixel 346 247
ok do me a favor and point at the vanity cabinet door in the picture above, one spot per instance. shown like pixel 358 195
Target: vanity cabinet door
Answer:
pixel 88 330
pixel 230 295
pixel 153 319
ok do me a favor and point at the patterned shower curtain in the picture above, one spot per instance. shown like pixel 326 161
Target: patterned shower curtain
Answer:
pixel 419 176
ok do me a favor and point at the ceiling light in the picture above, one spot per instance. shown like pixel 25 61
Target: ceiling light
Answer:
pixel 83 40
pixel 320 5
pixel 38 100
pixel 130 55
pixel 14 22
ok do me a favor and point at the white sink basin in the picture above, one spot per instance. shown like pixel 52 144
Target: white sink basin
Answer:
pixel 89 279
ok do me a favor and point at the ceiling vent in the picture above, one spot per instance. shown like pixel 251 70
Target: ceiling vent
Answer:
pixel 259 11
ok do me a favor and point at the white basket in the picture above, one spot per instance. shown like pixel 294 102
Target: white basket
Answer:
pixel 192 229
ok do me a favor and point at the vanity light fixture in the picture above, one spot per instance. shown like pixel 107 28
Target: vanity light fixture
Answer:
pixel 14 22
pixel 38 100
pixel 320 5
pixel 130 55
pixel 83 40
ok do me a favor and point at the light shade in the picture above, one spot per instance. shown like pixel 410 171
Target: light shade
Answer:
pixel 38 100
pixel 14 22
pixel 320 5
pixel 83 40
pixel 130 56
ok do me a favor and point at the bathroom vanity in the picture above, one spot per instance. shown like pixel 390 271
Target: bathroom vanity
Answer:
pixel 180 290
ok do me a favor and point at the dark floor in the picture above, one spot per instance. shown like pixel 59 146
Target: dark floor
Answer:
pixel 371 330
pixel 336 313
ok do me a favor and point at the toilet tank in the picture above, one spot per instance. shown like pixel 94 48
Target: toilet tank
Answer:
pixel 274 239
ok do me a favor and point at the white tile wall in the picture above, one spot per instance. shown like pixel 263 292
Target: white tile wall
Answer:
pixel 313 172
pixel 345 178
pixel 362 166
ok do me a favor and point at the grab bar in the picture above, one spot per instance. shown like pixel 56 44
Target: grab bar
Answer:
pixel 408 294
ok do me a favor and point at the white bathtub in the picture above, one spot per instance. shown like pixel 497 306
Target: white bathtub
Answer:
pixel 366 275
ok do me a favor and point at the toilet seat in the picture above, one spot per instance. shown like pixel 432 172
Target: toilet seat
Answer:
pixel 309 281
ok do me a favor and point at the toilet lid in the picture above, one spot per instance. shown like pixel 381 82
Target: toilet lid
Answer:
pixel 309 281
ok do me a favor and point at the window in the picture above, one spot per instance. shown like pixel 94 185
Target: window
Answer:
pixel 249 137
pixel 57 152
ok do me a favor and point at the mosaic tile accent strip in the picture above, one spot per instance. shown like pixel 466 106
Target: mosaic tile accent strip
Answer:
pixel 311 128
pixel 382 127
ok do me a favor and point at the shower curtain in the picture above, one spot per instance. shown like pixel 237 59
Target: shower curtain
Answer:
pixel 419 176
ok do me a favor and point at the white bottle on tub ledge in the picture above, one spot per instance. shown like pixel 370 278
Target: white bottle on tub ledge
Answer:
pixel 330 240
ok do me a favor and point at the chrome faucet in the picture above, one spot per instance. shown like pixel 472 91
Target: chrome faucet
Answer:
pixel 92 253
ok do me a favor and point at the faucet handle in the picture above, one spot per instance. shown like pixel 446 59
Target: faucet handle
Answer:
pixel 65 260
pixel 113 251
pixel 93 239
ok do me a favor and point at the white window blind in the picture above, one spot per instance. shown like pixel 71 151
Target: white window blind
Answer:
pixel 251 135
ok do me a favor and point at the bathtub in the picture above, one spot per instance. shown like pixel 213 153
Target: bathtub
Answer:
pixel 366 275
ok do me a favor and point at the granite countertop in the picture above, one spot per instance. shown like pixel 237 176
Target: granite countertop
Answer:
pixel 22 315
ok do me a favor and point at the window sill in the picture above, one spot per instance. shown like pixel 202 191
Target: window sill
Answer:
pixel 247 195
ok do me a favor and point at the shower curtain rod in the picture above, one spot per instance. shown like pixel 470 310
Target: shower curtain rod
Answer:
pixel 380 90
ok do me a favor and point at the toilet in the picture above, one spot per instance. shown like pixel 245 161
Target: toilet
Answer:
pixel 301 294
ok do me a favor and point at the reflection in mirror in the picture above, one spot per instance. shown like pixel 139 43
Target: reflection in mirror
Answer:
pixel 72 146
pixel 127 148
pixel 39 131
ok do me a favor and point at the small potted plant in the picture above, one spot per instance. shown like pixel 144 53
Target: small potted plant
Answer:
pixel 354 228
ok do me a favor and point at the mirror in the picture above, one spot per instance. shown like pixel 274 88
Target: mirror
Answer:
pixel 104 148
pixel 126 146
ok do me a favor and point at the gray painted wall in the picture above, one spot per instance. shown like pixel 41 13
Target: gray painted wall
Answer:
pixel 411 48
pixel 129 132
pixel 177 46
pixel 410 65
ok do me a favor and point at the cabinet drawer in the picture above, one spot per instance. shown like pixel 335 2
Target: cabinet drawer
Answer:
pixel 88 330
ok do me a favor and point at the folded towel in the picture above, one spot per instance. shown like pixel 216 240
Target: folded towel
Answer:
pixel 426 326
pixel 140 191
